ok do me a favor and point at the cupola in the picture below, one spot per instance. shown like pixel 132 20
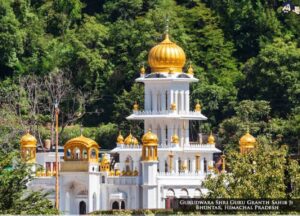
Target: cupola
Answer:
pixel 166 56
pixel 28 148
pixel 247 142
pixel 81 149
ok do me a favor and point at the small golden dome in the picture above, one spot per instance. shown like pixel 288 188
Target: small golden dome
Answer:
pixel 118 172
pixel 120 138
pixel 131 140
pixel 166 55
pixel 28 141
pixel 135 106
pixel 173 106
pixel 142 70
pixel 135 172
pixel 247 141
pixel 211 139
pixel 175 139
pixel 190 70
pixel 150 138
pixel 197 107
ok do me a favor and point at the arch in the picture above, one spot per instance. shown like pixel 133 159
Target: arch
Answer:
pixel 68 154
pixel 94 202
pixel 170 193
pixel 184 193
pixel 169 199
pixel 93 153
pixel 82 208
pixel 122 204
pixel 197 193
pixel 77 154
pixel 129 163
pixel 84 154
pixel 115 205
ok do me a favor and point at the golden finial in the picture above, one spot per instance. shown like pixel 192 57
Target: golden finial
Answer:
pixel 223 162
pixel 211 139
pixel 197 107
pixel 135 106
pixel 120 138
pixel 175 139
pixel 173 106
pixel 190 70
pixel 142 70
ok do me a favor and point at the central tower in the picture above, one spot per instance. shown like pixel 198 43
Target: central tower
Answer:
pixel 167 95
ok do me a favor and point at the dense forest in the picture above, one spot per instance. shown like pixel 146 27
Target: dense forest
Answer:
pixel 86 54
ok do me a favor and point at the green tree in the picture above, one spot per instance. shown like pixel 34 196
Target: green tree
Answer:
pixel 14 196
pixel 274 76
pixel 256 175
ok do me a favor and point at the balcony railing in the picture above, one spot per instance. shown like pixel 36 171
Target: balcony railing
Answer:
pixel 163 145
pixel 181 174
pixel 165 112
pixel 123 180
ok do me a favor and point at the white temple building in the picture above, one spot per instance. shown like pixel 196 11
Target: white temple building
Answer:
pixel 144 174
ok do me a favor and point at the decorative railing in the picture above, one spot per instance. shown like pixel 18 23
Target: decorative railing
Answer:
pixel 45 180
pixel 163 145
pixel 123 180
pixel 165 112
pixel 200 174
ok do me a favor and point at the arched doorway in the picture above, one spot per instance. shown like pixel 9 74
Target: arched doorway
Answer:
pixel 115 205
pixel 170 199
pixel 122 205
pixel 82 208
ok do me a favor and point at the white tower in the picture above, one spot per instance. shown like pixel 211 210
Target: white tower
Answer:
pixel 167 95
pixel 149 168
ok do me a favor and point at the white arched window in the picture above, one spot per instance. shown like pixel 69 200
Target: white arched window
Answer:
pixel 170 193
pixel 184 193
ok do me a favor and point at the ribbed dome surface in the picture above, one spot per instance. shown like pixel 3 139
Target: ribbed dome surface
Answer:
pixel 166 56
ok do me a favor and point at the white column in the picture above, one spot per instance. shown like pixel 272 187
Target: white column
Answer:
pixel 170 132
pixel 154 100
pixel 187 101
pixel 163 101
pixel 163 134
pixel 182 134
pixel 175 165
pixel 171 98
pixel 182 101
pixel 147 99
pixel 176 100
pixel 187 135
pixel 193 164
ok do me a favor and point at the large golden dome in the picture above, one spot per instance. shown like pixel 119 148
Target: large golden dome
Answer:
pixel 166 56
pixel 28 140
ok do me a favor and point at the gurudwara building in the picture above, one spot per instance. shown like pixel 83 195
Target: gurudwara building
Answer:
pixel 143 174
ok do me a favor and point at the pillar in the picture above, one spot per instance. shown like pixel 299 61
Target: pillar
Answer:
pixel 197 163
